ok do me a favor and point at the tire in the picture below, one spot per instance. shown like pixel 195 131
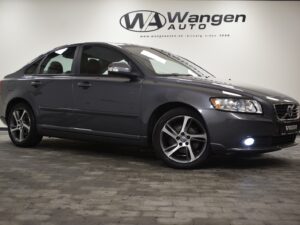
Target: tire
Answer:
pixel 180 139
pixel 22 126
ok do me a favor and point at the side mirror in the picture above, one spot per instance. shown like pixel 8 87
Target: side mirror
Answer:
pixel 121 68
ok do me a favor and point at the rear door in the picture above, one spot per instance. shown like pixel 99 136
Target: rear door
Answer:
pixel 106 104
pixel 51 88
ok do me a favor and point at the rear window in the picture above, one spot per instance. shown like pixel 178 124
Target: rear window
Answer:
pixel 59 62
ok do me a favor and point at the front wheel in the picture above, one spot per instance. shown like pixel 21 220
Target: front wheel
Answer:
pixel 180 139
pixel 22 126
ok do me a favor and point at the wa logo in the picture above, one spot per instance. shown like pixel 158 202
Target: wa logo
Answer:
pixel 142 21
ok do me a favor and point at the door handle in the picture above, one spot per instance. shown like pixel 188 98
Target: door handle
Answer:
pixel 84 84
pixel 36 83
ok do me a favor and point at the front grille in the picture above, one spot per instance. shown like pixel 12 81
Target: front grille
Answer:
pixel 287 111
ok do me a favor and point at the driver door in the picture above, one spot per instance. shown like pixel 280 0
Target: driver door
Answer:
pixel 105 104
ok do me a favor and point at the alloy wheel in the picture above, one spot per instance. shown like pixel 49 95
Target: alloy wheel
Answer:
pixel 20 124
pixel 183 139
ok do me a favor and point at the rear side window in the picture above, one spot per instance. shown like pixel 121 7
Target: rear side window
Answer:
pixel 59 62
pixel 32 69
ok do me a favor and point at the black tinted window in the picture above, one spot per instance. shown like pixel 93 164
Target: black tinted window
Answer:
pixel 96 59
pixel 32 69
pixel 59 62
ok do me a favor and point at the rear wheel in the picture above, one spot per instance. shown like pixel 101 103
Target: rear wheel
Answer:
pixel 22 126
pixel 180 139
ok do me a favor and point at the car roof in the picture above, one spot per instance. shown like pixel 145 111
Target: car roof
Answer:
pixel 120 45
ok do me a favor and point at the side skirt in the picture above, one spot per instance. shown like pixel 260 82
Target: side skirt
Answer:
pixel 91 135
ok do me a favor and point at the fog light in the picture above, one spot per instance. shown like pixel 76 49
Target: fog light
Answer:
pixel 249 141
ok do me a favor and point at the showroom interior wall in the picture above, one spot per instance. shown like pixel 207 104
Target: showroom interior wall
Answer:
pixel 262 50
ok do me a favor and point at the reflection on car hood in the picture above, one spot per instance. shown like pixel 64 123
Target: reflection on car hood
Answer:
pixel 248 91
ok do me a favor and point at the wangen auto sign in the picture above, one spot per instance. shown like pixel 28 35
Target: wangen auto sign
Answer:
pixel 147 21
pixel 143 21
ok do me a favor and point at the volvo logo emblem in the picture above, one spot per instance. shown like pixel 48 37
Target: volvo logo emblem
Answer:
pixel 142 21
pixel 289 111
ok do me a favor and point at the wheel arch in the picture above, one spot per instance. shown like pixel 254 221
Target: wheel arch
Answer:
pixel 162 109
pixel 14 101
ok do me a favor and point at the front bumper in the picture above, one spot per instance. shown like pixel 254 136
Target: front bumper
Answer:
pixel 227 132
pixel 268 146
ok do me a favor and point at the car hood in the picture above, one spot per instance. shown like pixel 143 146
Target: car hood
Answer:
pixel 232 90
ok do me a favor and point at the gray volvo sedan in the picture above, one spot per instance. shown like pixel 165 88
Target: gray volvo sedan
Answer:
pixel 140 95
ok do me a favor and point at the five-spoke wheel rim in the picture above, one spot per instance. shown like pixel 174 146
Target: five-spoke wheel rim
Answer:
pixel 183 139
pixel 20 124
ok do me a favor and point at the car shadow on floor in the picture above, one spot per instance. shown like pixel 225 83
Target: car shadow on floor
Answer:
pixel 247 162
pixel 98 149
pixel 147 156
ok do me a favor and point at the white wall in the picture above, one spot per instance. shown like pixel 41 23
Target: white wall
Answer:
pixel 263 51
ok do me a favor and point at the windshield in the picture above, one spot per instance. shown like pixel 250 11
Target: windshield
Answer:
pixel 163 63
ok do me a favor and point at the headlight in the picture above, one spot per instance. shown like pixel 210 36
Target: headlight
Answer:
pixel 237 105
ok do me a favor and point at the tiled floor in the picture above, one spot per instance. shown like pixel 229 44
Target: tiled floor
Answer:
pixel 68 182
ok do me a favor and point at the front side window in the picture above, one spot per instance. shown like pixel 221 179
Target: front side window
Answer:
pixel 96 59
pixel 59 62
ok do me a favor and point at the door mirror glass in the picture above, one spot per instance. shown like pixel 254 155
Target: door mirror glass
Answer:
pixel 121 67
